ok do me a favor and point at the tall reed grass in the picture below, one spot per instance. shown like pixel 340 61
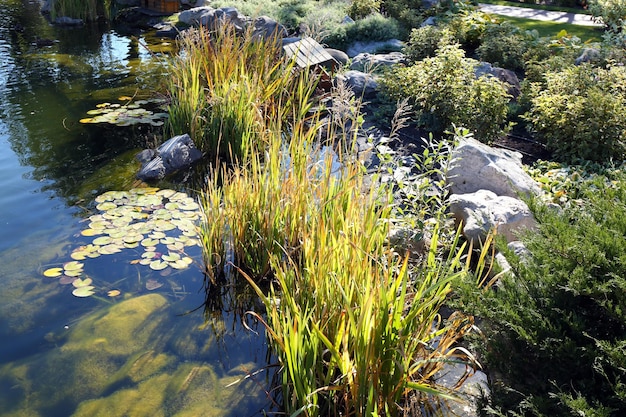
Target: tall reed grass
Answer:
pixel 224 87
pixel 356 329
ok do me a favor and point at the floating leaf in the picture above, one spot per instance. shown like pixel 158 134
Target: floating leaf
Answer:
pixel 79 255
pixel 157 235
pixel 81 282
pixel 76 273
pixel 171 257
pixel 158 265
pixel 53 272
pixel 83 291
pixel 114 293
pixel 91 232
pixel 102 240
pixel 179 264
pixel 149 242
pixel 109 249
pixel 73 266
pixel 107 205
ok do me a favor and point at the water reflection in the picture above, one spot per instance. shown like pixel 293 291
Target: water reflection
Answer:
pixel 47 90
pixel 146 352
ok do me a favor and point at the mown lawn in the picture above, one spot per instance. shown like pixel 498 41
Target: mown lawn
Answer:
pixel 585 33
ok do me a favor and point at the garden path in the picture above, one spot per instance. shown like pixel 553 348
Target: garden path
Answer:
pixel 536 14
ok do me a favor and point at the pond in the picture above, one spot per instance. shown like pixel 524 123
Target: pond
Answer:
pixel 132 330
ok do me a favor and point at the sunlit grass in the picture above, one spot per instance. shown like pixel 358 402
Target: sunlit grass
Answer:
pixel 551 29
pixel 224 88
pixel 356 328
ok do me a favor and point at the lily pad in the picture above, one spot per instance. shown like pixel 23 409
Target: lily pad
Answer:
pixel 82 282
pixel 126 114
pixel 158 265
pixel 91 232
pixel 73 266
pixel 85 291
pixel 53 272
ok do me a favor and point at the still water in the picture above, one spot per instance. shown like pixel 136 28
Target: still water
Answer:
pixel 168 344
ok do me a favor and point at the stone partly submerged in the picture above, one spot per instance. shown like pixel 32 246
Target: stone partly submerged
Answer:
pixel 175 154
pixel 135 358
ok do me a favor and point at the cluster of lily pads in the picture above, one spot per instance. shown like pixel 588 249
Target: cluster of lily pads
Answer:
pixel 127 114
pixel 160 224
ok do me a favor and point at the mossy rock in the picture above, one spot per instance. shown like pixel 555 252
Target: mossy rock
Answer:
pixel 189 391
pixel 124 329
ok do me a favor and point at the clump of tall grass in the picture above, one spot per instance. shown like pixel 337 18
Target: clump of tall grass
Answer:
pixel 87 10
pixel 224 87
pixel 356 331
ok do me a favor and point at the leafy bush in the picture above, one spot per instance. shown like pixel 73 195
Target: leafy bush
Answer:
pixel 374 27
pixel 612 13
pixel 361 8
pixel 504 46
pixel 424 42
pixel 445 92
pixel 468 26
pixel 407 12
pixel 555 329
pixel 580 113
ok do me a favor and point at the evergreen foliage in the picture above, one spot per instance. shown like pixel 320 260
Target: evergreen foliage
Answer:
pixel 555 329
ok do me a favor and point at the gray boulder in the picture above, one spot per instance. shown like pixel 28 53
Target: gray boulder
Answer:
pixel 175 154
pixel 266 27
pixel 476 166
pixel 194 16
pixel 514 88
pixel 340 56
pixel 588 55
pixel 227 15
pixel 483 210
pixel 367 61
pixel 362 84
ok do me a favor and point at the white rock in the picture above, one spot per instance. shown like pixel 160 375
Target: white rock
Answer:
pixel 483 211
pixel 476 166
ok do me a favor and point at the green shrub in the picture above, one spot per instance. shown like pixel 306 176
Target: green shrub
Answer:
pixel 445 92
pixel 469 26
pixel 580 113
pixel 504 46
pixel 361 8
pixel 374 27
pixel 408 12
pixel 555 329
pixel 424 42
pixel 612 13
